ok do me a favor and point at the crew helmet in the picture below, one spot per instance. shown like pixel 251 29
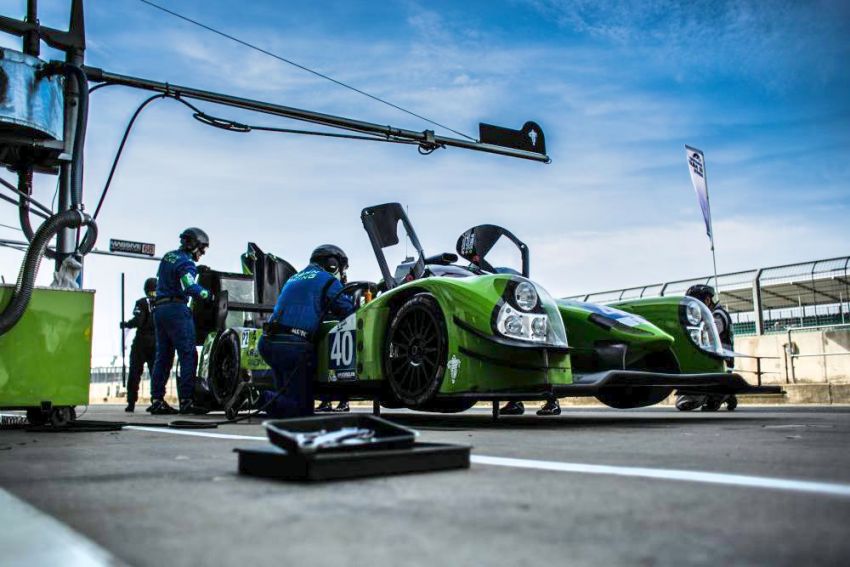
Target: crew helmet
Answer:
pixel 195 241
pixel 150 285
pixel 704 293
pixel 331 258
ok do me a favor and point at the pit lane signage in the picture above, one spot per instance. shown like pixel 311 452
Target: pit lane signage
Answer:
pixel 130 247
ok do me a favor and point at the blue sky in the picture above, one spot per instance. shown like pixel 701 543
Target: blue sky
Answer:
pixel 618 87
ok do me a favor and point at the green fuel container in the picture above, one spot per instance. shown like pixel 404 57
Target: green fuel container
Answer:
pixel 46 357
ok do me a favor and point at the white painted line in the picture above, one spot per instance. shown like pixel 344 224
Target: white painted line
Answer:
pixel 30 537
pixel 193 433
pixel 832 489
pixel 770 483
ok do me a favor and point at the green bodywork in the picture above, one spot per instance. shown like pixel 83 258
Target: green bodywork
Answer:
pixel 663 312
pixel 586 335
pixel 46 356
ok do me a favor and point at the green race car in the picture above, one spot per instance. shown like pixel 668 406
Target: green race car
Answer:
pixel 629 354
pixel 433 335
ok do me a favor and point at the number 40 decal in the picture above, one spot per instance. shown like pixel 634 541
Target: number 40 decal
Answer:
pixel 342 349
pixel 341 344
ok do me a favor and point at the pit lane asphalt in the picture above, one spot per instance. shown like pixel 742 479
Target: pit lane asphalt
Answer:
pixel 153 498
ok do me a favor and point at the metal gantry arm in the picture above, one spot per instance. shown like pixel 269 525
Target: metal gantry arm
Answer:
pixel 426 138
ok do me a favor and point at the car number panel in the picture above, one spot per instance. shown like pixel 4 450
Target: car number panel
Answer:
pixel 342 351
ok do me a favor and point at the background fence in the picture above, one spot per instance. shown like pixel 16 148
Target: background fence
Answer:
pixel 765 300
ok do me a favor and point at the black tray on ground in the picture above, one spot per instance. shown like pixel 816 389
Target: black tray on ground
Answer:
pixel 272 462
pixel 388 435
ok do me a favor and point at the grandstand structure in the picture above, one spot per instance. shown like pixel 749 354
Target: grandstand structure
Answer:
pixel 764 300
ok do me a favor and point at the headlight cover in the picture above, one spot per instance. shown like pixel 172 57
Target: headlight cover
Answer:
pixel 693 313
pixel 525 296
pixel 528 313
pixel 699 325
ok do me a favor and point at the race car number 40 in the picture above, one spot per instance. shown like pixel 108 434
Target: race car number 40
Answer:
pixel 341 355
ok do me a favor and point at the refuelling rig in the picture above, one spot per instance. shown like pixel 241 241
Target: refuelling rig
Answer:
pixel 46 333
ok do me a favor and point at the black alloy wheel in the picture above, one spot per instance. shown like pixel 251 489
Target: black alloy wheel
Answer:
pixel 415 354
pixel 225 371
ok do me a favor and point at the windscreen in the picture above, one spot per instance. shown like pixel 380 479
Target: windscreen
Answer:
pixel 238 290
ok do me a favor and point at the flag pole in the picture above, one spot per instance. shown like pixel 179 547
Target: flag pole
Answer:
pixel 711 228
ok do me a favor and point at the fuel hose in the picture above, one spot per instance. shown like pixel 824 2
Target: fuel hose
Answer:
pixel 22 294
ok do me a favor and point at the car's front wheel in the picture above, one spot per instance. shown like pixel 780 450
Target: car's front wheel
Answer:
pixel 415 353
pixel 225 366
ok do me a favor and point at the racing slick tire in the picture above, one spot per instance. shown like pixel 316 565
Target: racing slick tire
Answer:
pixel 416 351
pixel 712 404
pixel 225 366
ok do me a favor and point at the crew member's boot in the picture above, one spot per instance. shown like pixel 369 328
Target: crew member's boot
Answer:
pixel 325 406
pixel 161 407
pixel 551 407
pixel 342 407
pixel 513 408
pixel 189 407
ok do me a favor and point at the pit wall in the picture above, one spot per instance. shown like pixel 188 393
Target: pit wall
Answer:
pixel 814 379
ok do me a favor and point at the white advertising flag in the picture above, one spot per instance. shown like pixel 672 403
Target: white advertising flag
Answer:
pixel 696 165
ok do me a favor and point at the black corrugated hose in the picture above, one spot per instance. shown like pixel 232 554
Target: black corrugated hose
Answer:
pixel 29 269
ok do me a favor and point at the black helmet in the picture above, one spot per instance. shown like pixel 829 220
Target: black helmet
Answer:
pixel 150 285
pixel 195 241
pixel 331 258
pixel 702 292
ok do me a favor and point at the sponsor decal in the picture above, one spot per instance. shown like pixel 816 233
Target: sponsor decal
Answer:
pixel 454 367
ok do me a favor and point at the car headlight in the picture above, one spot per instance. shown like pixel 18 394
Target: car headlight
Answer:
pixel 693 313
pixel 525 296
pixel 513 324
pixel 525 326
pixel 699 325
pixel 539 326
pixel 528 313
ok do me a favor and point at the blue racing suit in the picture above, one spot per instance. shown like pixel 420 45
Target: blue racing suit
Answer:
pixel 175 328
pixel 288 346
